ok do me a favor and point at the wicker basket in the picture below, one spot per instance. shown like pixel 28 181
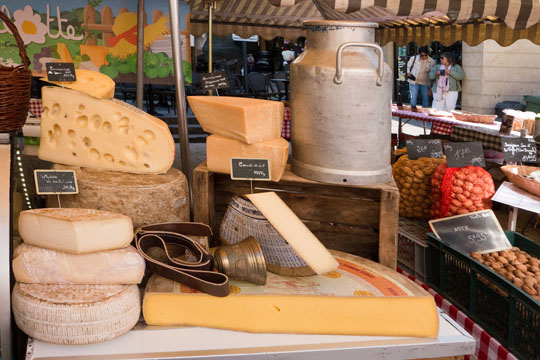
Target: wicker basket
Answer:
pixel 484 119
pixel 515 173
pixel 15 82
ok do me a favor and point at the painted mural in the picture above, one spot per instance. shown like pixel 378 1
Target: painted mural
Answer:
pixel 97 35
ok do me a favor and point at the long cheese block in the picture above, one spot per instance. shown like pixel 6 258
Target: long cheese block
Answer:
pixel 75 314
pixel 293 230
pixel 359 298
pixel 93 83
pixel 77 129
pixel 145 198
pixel 75 230
pixel 32 264
pixel 220 150
pixel 243 119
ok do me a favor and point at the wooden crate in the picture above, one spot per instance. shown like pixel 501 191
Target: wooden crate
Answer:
pixel 362 220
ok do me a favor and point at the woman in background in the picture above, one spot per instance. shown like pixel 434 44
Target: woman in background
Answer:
pixel 418 68
pixel 447 78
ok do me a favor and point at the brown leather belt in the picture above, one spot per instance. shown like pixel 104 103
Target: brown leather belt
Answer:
pixel 196 274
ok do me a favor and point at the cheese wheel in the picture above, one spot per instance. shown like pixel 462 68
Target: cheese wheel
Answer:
pixel 145 198
pixel 75 314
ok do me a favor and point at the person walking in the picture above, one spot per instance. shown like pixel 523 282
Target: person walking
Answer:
pixel 418 68
pixel 448 78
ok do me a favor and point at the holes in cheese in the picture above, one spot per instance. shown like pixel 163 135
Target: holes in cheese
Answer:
pixel 75 230
pixel 78 129
pixel 291 228
pixel 90 82
pixel 243 119
pixel 220 150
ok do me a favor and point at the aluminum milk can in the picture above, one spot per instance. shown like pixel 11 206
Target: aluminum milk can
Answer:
pixel 341 94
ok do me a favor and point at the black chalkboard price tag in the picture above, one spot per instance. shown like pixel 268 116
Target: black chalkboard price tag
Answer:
pixel 429 148
pixel 519 150
pixel 464 153
pixel 250 169
pixel 214 80
pixel 477 231
pixel 49 182
pixel 60 71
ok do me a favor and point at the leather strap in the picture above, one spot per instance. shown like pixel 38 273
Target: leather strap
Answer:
pixel 196 274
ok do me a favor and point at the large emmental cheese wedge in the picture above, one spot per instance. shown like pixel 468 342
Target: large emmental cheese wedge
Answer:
pixel 243 119
pixel 359 298
pixel 35 265
pixel 293 230
pixel 75 230
pixel 220 150
pixel 90 82
pixel 77 129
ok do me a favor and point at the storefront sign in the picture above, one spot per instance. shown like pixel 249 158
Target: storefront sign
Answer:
pixel 215 80
pixel 519 150
pixel 49 182
pixel 59 71
pixel 464 153
pixel 429 148
pixel 478 231
pixel 250 169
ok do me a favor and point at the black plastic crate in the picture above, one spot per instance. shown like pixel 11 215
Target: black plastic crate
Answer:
pixel 505 311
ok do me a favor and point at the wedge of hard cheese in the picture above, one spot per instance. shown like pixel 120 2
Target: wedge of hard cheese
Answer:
pixel 243 119
pixel 75 230
pixel 77 129
pixel 90 82
pixel 220 150
pixel 293 230
pixel 359 298
pixel 32 264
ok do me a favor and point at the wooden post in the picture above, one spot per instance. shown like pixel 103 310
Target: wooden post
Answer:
pixel 107 18
pixel 203 196
pixel 389 223
pixel 89 17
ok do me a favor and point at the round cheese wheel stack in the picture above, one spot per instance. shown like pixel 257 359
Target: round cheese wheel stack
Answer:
pixel 145 198
pixel 75 314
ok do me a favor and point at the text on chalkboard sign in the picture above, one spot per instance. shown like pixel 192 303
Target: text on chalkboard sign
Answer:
pixel 519 150
pixel 430 148
pixel 49 182
pixel 477 231
pixel 464 153
pixel 215 80
pixel 60 71
pixel 250 169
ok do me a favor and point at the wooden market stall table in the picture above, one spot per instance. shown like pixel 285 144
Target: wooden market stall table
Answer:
pixel 491 140
pixel 516 198
pixel 150 342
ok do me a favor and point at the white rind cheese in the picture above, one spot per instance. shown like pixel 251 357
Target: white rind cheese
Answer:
pixel 77 129
pixel 75 314
pixel 35 265
pixel 293 230
pixel 75 230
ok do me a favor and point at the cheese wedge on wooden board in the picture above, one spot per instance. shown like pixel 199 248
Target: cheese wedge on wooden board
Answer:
pixel 75 230
pixel 359 298
pixel 77 129
pixel 93 83
pixel 145 198
pixel 75 314
pixel 243 119
pixel 293 230
pixel 220 150
pixel 36 265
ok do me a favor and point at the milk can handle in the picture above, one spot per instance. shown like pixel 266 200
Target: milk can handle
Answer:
pixel 338 79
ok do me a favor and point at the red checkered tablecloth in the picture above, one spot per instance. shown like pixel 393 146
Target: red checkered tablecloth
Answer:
pixel 35 107
pixel 487 348
pixel 286 129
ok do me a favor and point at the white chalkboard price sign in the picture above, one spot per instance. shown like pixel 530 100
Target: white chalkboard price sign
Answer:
pixel 429 148
pixel 519 150
pixel 55 182
pixel 464 153
pixel 477 231
pixel 60 71
pixel 250 169
pixel 214 80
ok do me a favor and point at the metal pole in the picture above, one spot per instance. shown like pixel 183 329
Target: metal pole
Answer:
pixel 210 15
pixel 183 136
pixel 140 53
pixel 244 56
pixel 5 248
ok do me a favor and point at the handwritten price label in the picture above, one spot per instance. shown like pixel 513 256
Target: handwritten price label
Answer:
pixel 431 148
pixel 465 153
pixel 250 169
pixel 519 150
pixel 51 182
